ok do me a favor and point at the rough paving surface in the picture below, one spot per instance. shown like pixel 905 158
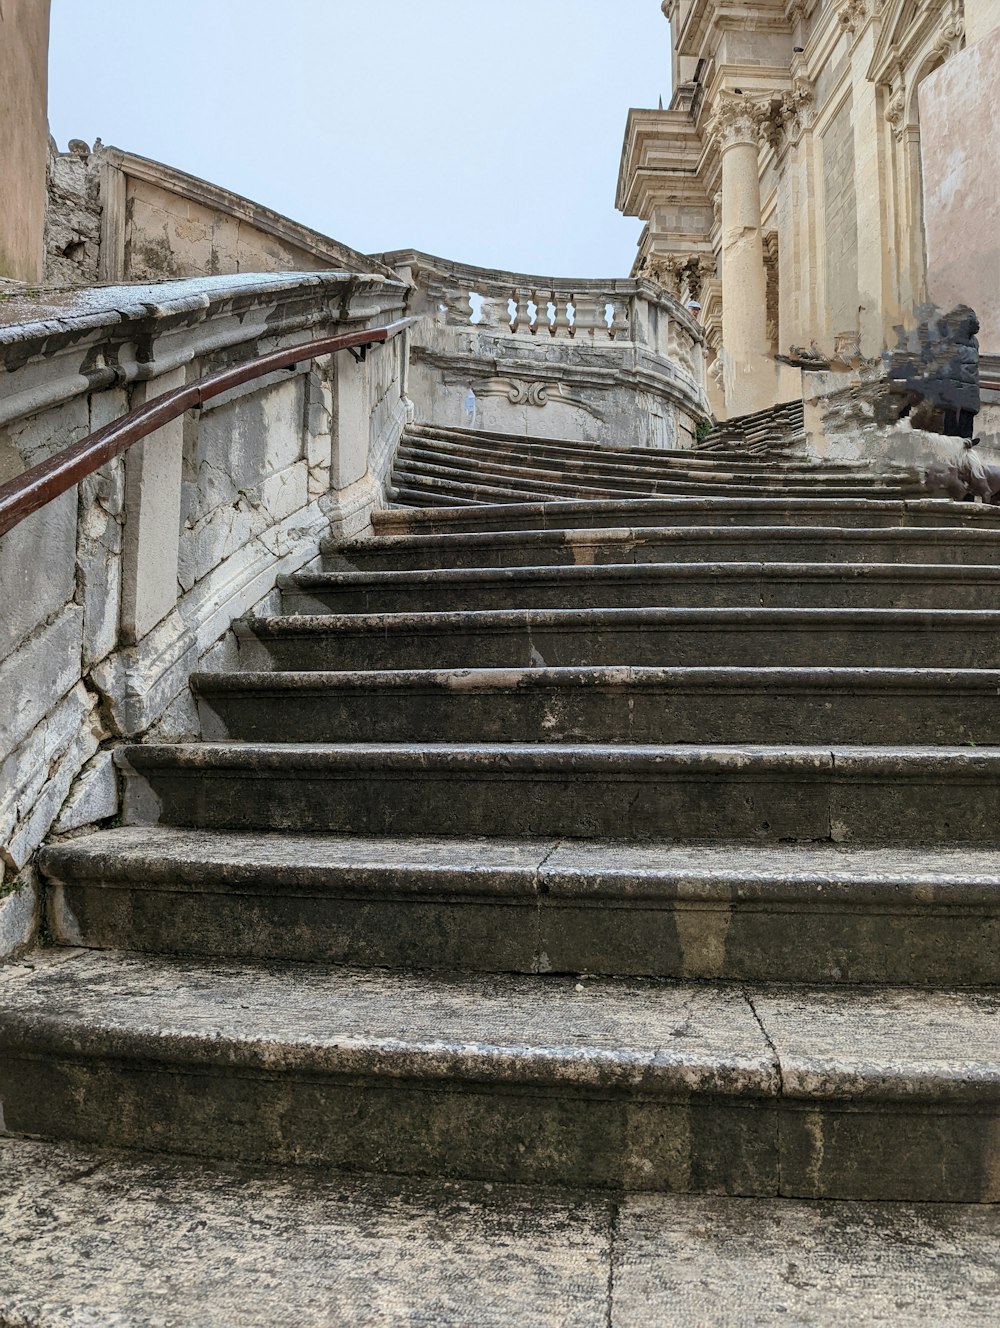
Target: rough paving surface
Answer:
pixel 97 1238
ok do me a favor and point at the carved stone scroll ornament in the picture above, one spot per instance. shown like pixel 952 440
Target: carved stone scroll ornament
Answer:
pixel 949 38
pixel 521 393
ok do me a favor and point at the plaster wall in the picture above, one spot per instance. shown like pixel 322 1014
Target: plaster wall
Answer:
pixel 960 115
pixel 24 136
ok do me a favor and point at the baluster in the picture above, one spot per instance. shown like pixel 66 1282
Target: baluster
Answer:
pixel 459 307
pixel 522 318
pixel 587 312
pixel 542 324
pixel 621 322
pixel 561 328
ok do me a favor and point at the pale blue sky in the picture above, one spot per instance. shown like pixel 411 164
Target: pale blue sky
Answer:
pixel 488 131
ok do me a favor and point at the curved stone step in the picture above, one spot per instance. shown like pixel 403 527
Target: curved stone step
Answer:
pixel 536 454
pixel 810 914
pixel 737 451
pixel 865 795
pixel 622 705
pixel 889 1094
pixel 577 638
pixel 743 511
pixel 472 480
pixel 653 544
pixel 647 585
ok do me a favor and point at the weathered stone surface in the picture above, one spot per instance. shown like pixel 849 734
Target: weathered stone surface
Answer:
pixel 143 1241
pixel 36 571
pixel 19 915
pixel 719 1263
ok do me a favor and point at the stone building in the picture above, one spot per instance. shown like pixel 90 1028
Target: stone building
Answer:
pixel 783 188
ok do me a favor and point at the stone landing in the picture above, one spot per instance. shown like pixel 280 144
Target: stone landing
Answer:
pixel 132 1242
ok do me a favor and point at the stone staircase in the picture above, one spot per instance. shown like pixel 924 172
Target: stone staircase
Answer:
pixel 633 844
pixel 437 466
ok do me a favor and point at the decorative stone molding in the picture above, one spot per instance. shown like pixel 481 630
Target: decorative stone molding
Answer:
pixel 895 110
pixel 852 15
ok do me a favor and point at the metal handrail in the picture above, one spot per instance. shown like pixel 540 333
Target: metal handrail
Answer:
pixel 32 490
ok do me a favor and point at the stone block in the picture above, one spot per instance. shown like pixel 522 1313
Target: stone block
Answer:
pixel 36 570
pixel 93 797
pixel 38 675
pixel 152 521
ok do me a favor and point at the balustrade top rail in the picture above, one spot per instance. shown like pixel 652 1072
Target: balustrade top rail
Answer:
pixel 32 490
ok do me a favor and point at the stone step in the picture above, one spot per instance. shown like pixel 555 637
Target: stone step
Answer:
pixel 475 480
pixel 536 453
pixel 721 511
pixel 736 451
pixel 654 544
pixel 843 1093
pixel 618 705
pixel 808 914
pixel 195 1242
pixel 865 795
pixel 647 585
pixel 578 638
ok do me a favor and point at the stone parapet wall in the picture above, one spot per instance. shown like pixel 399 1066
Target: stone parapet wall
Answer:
pixel 116 216
pixel 117 591
pixel 615 361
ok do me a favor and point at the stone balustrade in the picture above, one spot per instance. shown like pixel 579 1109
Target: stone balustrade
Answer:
pixel 118 590
pixel 616 361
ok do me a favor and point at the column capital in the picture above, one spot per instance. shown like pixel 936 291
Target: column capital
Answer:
pixel 738 120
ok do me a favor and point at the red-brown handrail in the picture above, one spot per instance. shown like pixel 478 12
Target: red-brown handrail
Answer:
pixel 26 493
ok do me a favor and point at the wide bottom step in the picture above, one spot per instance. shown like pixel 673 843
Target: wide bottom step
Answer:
pixel 854 1093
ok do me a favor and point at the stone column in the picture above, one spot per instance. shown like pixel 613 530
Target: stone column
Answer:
pixel 24 137
pixel 748 374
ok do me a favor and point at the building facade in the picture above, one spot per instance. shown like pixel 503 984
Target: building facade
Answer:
pixel 782 189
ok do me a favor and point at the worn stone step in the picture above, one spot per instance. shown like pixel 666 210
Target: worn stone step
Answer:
pixel 481 479
pixel 648 585
pixel 536 454
pixel 866 795
pixel 720 511
pixel 847 1093
pixel 809 914
pixel 653 544
pixel 620 705
pixel 575 638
